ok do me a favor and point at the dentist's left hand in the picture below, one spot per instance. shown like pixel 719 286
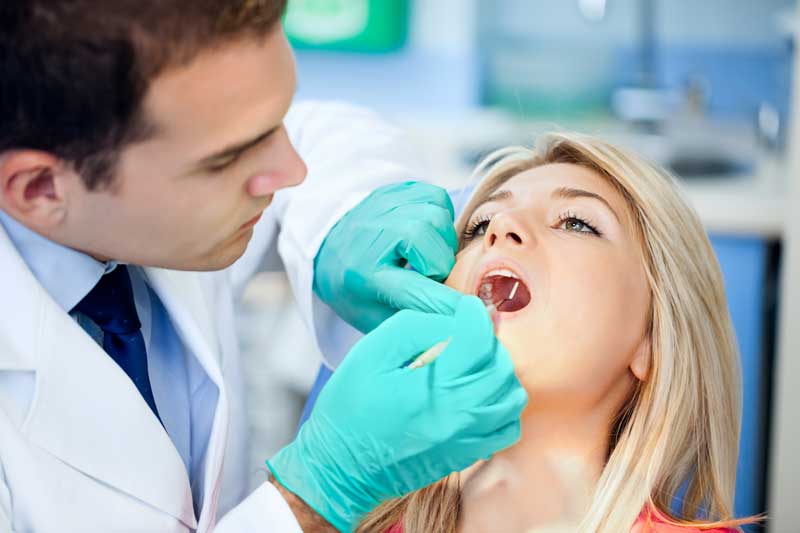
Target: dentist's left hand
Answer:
pixel 380 429
pixel 359 269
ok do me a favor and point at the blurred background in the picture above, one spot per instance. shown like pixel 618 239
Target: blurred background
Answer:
pixel 704 88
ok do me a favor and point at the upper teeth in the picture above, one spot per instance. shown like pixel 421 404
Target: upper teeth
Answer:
pixel 501 272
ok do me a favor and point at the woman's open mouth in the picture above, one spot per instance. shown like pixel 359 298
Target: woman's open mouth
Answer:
pixel 504 290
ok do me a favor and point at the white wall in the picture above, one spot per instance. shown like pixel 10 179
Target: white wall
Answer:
pixel 443 27
pixel 783 507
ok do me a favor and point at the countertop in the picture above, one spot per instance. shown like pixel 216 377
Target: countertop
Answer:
pixel 751 203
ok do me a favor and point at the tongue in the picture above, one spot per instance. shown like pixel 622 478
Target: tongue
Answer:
pixel 495 290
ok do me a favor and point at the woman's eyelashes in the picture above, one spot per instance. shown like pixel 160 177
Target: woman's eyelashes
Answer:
pixel 476 228
pixel 567 221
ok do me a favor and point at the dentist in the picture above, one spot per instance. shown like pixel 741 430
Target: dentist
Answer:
pixel 150 163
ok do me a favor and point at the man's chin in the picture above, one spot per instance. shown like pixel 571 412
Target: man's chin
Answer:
pixel 225 256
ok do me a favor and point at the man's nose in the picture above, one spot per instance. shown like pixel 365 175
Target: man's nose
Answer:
pixel 292 168
pixel 288 170
pixel 297 169
pixel 504 230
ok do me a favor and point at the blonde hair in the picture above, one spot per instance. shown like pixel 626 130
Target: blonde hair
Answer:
pixel 682 425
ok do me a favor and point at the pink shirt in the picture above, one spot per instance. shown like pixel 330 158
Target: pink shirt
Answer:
pixel 655 524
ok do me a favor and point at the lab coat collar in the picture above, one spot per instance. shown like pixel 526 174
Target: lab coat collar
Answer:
pixel 85 410
pixel 190 303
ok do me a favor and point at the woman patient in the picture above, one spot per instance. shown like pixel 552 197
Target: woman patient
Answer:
pixel 610 302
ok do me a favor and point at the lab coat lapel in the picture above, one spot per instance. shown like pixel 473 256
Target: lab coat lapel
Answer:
pixel 86 411
pixel 190 304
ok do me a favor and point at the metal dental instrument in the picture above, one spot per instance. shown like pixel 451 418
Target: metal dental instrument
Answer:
pixel 436 350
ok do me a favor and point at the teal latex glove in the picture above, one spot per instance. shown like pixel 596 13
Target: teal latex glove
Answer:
pixel 359 269
pixel 380 430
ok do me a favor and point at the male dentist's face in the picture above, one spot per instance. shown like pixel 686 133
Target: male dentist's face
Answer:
pixel 188 197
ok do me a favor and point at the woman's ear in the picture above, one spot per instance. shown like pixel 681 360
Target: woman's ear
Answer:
pixel 640 364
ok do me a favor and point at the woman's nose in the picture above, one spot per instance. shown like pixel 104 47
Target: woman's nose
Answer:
pixel 503 230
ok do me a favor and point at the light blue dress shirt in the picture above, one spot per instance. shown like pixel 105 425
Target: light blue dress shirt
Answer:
pixel 181 388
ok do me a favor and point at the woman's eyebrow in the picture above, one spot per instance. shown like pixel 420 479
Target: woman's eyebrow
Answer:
pixel 494 197
pixel 567 192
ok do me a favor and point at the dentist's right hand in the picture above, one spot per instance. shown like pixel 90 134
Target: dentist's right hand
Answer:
pixel 380 430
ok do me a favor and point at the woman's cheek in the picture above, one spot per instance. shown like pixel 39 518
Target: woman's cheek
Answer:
pixel 454 280
pixel 459 275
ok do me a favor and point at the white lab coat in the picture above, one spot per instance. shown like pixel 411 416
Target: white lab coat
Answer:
pixel 80 450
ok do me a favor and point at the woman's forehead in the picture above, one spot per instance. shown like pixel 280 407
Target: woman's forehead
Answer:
pixel 537 184
pixel 545 178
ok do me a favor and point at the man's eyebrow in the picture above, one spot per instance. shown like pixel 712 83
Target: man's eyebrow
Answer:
pixel 494 197
pixel 567 192
pixel 235 149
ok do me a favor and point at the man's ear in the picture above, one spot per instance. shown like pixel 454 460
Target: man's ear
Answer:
pixel 640 364
pixel 31 188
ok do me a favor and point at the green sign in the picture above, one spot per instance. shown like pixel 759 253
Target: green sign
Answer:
pixel 352 25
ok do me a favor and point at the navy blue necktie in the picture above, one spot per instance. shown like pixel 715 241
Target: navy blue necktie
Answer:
pixel 110 305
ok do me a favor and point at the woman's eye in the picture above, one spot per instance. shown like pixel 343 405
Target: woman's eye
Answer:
pixel 573 223
pixel 476 229
pixel 480 228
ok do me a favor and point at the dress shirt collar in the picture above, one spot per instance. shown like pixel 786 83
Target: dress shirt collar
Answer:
pixel 66 274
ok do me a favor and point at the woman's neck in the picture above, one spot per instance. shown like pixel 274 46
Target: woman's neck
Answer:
pixel 544 482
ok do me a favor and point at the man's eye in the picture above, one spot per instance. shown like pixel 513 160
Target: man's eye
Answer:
pixel 223 164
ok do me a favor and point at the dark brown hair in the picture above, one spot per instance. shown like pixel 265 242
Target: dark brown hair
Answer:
pixel 73 73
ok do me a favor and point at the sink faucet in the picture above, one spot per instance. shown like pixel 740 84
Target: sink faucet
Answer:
pixel 646 106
